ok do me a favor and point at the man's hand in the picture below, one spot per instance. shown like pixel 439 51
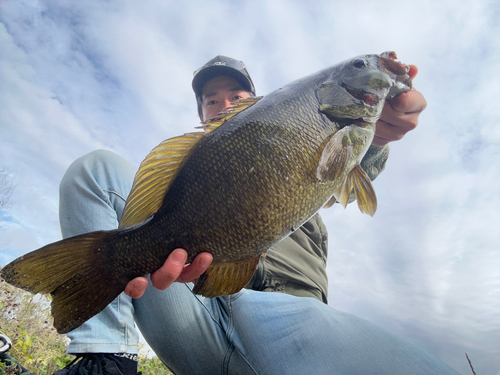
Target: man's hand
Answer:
pixel 174 269
pixel 399 115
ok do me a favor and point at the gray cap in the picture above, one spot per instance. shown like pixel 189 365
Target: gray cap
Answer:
pixel 221 66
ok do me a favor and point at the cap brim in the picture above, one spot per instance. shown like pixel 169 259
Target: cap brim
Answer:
pixel 219 70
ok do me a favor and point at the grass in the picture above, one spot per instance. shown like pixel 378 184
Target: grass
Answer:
pixel 26 320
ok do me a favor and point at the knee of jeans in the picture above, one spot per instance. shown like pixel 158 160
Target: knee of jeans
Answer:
pixel 93 166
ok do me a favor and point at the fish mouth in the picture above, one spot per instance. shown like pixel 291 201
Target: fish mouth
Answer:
pixel 403 82
pixel 390 62
pixel 365 96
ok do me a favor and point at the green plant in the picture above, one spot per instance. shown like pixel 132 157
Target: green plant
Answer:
pixel 152 366
pixel 26 320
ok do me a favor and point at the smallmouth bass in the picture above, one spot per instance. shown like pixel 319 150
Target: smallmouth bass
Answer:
pixel 258 172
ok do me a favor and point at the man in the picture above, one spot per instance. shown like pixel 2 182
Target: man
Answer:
pixel 251 332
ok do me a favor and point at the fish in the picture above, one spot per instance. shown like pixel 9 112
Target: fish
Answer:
pixel 253 175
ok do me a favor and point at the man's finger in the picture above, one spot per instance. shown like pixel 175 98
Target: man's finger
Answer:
pixel 170 271
pixel 388 133
pixel 413 71
pixel 195 269
pixel 409 102
pixel 399 116
pixel 136 287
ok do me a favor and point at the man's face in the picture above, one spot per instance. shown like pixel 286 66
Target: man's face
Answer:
pixel 218 93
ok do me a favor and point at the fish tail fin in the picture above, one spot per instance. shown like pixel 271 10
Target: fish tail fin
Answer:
pixel 74 272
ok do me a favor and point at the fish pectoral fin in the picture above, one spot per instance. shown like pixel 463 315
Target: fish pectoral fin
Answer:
pixel 155 176
pixel 235 108
pixel 363 188
pixel 335 156
pixel 225 278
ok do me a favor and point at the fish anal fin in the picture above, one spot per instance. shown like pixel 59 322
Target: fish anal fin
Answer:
pixel 155 176
pixel 363 188
pixel 229 112
pixel 225 278
pixel 335 156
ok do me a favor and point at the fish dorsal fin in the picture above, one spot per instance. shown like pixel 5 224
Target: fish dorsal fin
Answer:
pixel 225 278
pixel 154 177
pixel 235 108
pixel 363 188
pixel 335 156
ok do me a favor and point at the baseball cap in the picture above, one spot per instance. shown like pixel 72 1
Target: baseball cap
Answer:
pixel 218 66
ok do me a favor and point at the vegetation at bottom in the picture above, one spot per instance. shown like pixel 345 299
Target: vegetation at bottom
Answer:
pixel 26 320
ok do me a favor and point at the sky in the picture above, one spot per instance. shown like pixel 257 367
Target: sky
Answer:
pixel 116 75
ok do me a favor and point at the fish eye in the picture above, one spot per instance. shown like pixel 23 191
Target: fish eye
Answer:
pixel 359 63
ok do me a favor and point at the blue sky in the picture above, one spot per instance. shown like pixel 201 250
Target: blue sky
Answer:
pixel 117 75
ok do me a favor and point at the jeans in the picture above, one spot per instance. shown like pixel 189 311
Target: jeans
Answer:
pixel 92 196
pixel 248 332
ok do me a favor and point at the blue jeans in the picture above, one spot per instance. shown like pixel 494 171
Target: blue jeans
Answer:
pixel 246 333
